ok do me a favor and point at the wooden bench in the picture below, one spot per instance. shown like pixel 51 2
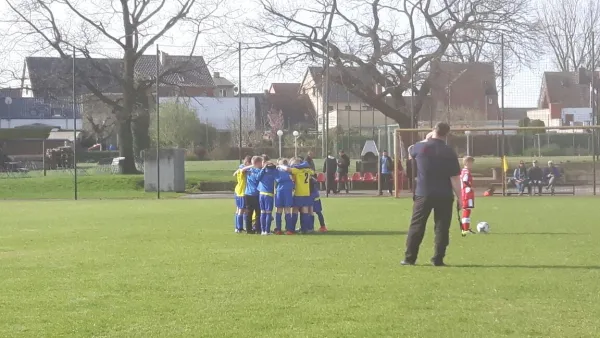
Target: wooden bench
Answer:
pixel 559 189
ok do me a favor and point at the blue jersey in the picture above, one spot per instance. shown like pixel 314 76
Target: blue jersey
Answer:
pixel 252 178
pixel 266 183
pixel 284 181
pixel 314 189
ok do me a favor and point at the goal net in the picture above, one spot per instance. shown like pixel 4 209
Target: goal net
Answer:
pixel 564 159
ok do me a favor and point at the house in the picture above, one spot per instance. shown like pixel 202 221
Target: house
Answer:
pixel 464 93
pixel 28 111
pixel 51 77
pixel 224 87
pixel 285 88
pixel 563 101
pixel 460 92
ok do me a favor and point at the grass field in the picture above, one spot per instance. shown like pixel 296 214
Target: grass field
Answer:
pixel 175 269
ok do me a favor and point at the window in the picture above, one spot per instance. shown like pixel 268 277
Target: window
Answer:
pixel 348 108
pixel 330 108
pixel 223 92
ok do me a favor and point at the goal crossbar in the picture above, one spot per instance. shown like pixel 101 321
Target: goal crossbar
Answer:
pixel 398 146
pixel 426 130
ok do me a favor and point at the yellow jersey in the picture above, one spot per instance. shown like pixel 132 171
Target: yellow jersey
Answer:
pixel 240 187
pixel 302 181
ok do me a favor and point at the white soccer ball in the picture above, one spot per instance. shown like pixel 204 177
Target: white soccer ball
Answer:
pixel 483 227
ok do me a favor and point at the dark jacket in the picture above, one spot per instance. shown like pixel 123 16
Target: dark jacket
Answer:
pixel 343 164
pixel 535 174
pixel 330 166
pixel 520 174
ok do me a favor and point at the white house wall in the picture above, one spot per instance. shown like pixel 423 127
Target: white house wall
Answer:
pixel 220 112
pixel 65 124
pixel 579 114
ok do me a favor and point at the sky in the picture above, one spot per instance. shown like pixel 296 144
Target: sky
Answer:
pixel 218 48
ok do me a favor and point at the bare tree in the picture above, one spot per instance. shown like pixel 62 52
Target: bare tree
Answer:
pixel 377 48
pixel 567 28
pixel 131 27
pixel 516 31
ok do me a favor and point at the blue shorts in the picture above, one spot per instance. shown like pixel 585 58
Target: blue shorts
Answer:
pixel 317 206
pixel 284 199
pixel 240 202
pixel 266 202
pixel 303 201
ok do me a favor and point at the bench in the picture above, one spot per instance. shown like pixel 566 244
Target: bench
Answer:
pixel 559 189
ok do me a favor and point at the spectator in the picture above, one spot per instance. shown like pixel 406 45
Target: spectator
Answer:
pixel 551 174
pixel 536 178
pixel 343 165
pixel 386 169
pixel 329 168
pixel 438 183
pixel 310 161
pixel 265 157
pixel 520 178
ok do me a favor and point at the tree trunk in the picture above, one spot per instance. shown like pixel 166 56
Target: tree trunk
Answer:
pixel 141 125
pixel 126 146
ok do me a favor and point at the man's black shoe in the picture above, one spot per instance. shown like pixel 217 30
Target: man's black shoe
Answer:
pixel 405 262
pixel 437 263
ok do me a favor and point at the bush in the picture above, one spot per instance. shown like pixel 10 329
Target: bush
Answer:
pixel 547 150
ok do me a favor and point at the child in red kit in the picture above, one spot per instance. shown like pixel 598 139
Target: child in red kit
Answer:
pixel 467 195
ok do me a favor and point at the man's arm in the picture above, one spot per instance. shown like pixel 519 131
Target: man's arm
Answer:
pixel 285 168
pixel 455 180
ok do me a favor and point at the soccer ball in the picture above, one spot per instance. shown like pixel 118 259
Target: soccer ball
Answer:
pixel 483 227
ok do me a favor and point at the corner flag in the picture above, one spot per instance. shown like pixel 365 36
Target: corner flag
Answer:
pixel 504 164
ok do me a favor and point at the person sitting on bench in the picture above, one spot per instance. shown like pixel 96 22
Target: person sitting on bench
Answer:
pixel 536 178
pixel 520 178
pixel 551 175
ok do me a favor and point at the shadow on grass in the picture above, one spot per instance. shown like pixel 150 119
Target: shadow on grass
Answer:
pixel 559 267
pixel 365 233
pixel 537 233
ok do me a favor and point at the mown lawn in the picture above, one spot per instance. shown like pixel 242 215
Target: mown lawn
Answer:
pixel 175 268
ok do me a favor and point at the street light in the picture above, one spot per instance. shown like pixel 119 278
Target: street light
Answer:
pixel 296 134
pixel 468 133
pixel 8 101
pixel 279 134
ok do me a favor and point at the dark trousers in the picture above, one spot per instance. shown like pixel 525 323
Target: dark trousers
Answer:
pixel 386 183
pixel 442 214
pixel 330 183
pixel 253 207
pixel 535 185
pixel 342 181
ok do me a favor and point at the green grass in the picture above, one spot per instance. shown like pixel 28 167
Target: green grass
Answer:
pixel 176 269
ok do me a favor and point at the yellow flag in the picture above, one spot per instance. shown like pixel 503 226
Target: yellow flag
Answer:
pixel 504 164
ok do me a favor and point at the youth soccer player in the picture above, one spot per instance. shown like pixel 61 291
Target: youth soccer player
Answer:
pixel 284 200
pixel 317 207
pixel 467 195
pixel 266 189
pixel 301 174
pixel 239 190
pixel 251 193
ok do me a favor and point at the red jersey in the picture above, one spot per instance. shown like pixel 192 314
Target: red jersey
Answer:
pixel 466 188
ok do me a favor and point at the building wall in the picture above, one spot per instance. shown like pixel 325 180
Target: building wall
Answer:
pixel 355 119
pixel 224 92
pixel 220 112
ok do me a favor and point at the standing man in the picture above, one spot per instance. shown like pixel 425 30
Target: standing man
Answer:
pixel 343 165
pixel 438 180
pixel 386 169
pixel 310 161
pixel 329 168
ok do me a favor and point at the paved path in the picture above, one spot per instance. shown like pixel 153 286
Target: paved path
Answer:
pixel 579 191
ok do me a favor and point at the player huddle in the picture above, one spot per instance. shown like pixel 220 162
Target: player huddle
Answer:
pixel 289 188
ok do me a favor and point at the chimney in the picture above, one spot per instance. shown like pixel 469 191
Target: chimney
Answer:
pixel 163 58
pixel 266 91
pixel 217 75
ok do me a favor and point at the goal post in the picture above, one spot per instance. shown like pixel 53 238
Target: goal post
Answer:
pixel 574 150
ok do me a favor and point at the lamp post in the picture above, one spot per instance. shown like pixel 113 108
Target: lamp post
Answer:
pixel 279 134
pixel 468 133
pixel 8 101
pixel 296 134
